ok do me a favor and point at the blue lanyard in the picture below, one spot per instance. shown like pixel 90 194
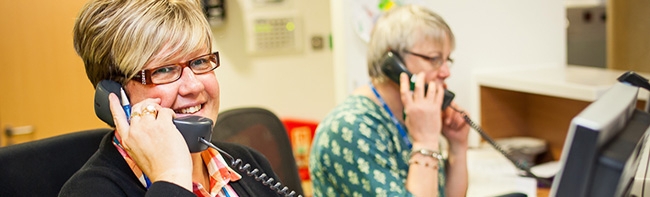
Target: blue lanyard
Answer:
pixel 402 132
pixel 225 191
pixel 147 182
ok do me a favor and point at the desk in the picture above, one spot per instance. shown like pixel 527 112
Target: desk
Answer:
pixel 491 174
pixel 541 102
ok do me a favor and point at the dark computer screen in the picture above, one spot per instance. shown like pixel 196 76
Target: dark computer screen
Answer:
pixel 603 141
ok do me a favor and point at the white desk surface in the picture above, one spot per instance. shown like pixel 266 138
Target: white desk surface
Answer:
pixel 572 82
pixel 492 174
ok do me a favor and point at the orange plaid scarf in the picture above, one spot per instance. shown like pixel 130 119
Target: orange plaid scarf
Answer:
pixel 220 173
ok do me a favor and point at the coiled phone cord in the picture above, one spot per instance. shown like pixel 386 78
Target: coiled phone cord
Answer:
pixel 521 166
pixel 263 178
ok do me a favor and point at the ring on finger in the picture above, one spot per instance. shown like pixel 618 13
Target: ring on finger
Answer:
pixel 150 110
pixel 135 114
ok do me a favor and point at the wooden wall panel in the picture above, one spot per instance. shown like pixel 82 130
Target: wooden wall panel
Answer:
pixel 506 113
pixel 628 30
pixel 43 81
pixel 549 118
pixel 502 112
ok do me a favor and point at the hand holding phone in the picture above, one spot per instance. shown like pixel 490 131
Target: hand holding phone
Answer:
pixel 153 144
pixel 422 116
pixel 191 127
pixel 392 65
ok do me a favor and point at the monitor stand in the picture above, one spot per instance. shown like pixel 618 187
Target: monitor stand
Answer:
pixel 641 179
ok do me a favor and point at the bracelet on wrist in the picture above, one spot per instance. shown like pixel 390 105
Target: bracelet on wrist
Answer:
pixel 425 164
pixel 427 152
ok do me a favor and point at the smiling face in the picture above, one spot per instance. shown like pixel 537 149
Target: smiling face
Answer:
pixel 440 50
pixel 191 94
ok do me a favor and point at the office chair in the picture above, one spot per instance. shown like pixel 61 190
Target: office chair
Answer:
pixel 41 167
pixel 263 131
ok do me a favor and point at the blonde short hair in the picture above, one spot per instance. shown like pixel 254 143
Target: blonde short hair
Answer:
pixel 399 29
pixel 116 38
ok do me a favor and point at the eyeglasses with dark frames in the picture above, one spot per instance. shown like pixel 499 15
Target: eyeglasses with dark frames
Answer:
pixel 437 62
pixel 170 73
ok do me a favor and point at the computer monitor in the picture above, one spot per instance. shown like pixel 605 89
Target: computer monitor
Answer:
pixel 603 145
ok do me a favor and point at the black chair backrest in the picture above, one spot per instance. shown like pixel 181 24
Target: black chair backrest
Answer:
pixel 41 167
pixel 263 131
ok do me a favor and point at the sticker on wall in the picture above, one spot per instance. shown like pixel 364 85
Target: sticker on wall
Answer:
pixel 368 11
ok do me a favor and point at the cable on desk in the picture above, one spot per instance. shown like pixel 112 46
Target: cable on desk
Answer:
pixel 522 166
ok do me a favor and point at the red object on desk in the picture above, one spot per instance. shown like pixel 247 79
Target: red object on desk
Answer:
pixel 301 134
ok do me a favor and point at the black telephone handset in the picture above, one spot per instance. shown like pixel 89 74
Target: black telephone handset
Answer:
pixel 392 65
pixel 192 128
pixel 196 130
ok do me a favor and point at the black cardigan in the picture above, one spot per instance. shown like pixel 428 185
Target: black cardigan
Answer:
pixel 107 174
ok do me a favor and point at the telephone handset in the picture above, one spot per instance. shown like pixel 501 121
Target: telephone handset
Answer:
pixel 196 130
pixel 392 65
pixel 191 127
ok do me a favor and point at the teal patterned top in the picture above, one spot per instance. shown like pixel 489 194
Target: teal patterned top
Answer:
pixel 357 151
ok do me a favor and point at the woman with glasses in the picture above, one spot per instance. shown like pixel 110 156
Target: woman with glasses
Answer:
pixel 384 139
pixel 160 52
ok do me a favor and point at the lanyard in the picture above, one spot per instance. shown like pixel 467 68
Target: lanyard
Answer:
pixel 143 178
pixel 402 132
pixel 225 191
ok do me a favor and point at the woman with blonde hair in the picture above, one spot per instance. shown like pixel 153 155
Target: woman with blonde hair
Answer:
pixel 384 139
pixel 161 52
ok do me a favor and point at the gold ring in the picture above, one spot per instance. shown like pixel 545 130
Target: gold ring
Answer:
pixel 150 110
pixel 134 114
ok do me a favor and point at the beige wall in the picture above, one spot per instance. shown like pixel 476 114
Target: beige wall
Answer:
pixel 291 84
